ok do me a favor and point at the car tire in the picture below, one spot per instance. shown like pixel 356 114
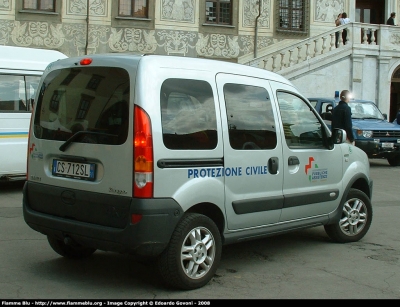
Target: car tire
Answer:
pixel 69 251
pixel 355 219
pixel 193 254
pixel 394 161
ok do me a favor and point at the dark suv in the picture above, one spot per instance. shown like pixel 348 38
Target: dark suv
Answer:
pixel 372 132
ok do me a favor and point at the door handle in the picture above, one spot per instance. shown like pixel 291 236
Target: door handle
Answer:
pixel 293 161
pixel 273 165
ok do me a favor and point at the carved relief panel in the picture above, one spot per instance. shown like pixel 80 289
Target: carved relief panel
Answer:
pixel 5 5
pixel 178 10
pixel 250 9
pixel 79 7
pixel 327 10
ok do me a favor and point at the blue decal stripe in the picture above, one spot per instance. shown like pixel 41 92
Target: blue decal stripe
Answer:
pixel 6 135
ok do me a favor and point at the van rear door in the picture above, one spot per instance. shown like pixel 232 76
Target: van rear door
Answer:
pixel 253 169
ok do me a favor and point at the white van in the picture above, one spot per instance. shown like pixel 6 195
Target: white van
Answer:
pixel 20 72
pixel 171 158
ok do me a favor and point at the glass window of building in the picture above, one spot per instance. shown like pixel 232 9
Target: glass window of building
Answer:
pixel 219 12
pixel 133 8
pixel 39 5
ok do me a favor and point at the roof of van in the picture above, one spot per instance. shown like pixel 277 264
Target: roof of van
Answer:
pixel 215 66
pixel 23 58
pixel 189 63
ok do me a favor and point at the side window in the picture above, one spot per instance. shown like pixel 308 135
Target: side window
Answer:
pixel 301 126
pixel 188 114
pixel 326 111
pixel 31 85
pixel 17 92
pixel 313 102
pixel 250 118
pixel 326 107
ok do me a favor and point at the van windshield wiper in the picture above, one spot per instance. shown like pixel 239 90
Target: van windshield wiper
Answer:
pixel 64 146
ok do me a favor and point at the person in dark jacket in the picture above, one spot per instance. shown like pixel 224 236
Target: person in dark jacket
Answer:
pixel 390 21
pixel 341 116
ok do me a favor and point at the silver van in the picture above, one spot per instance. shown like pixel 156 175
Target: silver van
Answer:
pixel 170 158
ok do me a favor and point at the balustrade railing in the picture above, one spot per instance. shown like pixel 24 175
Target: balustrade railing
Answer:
pixel 304 50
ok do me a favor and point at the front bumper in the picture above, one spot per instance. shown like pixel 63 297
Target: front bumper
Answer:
pixel 376 150
pixel 101 221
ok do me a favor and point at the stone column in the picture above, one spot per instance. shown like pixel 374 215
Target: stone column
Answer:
pixel 383 85
pixel 356 81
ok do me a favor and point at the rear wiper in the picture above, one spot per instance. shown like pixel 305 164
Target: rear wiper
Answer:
pixel 64 146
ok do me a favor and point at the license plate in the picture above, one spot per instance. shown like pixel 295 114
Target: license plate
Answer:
pixel 83 171
pixel 387 145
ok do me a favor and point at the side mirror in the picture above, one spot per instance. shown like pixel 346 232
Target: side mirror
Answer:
pixel 385 116
pixel 339 136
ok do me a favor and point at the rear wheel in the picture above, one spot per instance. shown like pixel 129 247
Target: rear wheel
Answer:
pixel 394 161
pixel 355 219
pixel 193 254
pixel 69 251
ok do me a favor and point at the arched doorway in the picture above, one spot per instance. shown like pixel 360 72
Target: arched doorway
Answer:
pixel 394 95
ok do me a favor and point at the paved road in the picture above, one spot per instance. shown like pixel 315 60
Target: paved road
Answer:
pixel 300 265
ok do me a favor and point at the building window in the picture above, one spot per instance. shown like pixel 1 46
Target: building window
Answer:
pixel 292 15
pixel 133 8
pixel 219 12
pixel 39 5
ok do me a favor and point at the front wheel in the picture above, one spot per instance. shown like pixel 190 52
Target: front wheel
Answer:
pixel 69 251
pixel 355 219
pixel 193 254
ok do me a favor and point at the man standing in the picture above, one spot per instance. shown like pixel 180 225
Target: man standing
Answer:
pixel 390 20
pixel 341 116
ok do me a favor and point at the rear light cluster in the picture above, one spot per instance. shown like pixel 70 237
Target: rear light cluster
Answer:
pixel 143 155
pixel 29 147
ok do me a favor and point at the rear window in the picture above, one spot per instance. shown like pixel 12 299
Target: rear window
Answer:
pixel 89 103
pixel 188 114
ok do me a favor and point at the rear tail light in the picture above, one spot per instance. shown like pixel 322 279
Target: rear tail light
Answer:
pixel 143 155
pixel 30 146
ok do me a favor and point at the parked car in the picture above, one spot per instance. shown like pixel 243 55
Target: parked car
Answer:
pixel 139 154
pixel 372 131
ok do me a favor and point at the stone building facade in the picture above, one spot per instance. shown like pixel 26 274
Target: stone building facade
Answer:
pixel 173 27
pixel 249 32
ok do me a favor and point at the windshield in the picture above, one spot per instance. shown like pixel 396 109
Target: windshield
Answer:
pixel 365 110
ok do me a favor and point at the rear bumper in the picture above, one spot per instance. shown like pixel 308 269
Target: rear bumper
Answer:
pixel 375 150
pixel 104 224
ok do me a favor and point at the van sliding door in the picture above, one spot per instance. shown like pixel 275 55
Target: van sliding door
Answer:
pixel 252 167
